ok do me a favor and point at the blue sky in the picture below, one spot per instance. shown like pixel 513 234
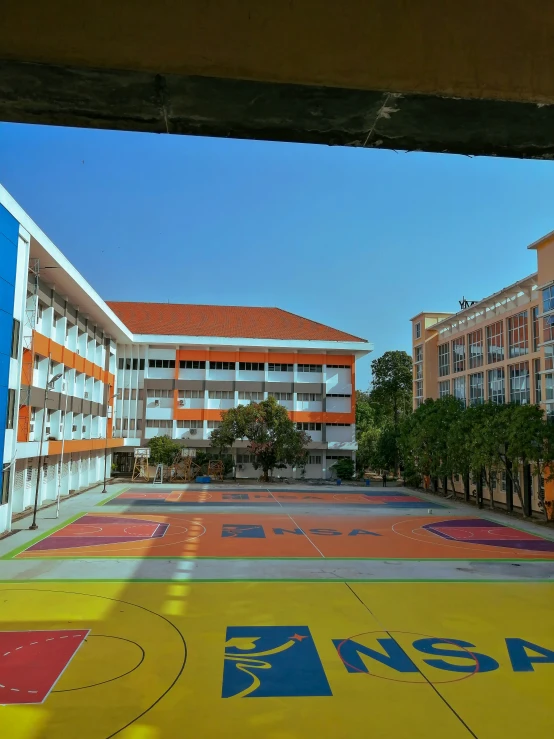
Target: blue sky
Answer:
pixel 358 239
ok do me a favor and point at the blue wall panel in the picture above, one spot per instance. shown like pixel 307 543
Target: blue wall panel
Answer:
pixel 9 230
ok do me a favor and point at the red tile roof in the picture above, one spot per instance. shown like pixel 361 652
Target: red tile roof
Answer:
pixel 223 320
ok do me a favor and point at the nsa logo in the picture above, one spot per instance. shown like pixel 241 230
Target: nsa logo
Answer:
pixel 272 661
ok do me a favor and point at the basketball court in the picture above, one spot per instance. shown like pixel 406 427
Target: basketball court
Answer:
pixel 205 498
pixel 147 657
pixel 283 536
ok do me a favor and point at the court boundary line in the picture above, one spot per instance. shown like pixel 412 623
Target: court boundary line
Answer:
pixel 299 527
pixel 111 497
pixel 22 547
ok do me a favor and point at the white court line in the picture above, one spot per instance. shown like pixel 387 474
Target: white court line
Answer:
pixel 297 526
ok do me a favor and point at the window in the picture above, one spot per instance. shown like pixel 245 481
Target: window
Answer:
pixel 126 394
pixel 221 395
pixel 191 393
pixel 11 408
pixel 191 364
pixel 548 328
pixel 304 397
pixel 535 329
pixel 338 424
pixel 503 480
pixel 155 423
pixel 418 330
pixel 549 357
pixel 279 367
pixel 133 394
pixel 458 355
pixel 519 383
pixel 158 393
pixel 15 338
pixel 476 389
pixel 117 425
pixel 444 360
pixel 252 366
pixel 338 366
pixel 222 365
pixel 141 365
pixel 246 458
pixel 418 355
pixel 419 392
pixel 460 388
pixel 338 395
pixel 548 299
pixel 120 363
pixel 5 486
pixel 250 395
pixel 186 424
pixel 119 394
pixel 419 371
pixel 161 363
pixel 36 362
pixel 139 424
pixel 308 426
pixel 518 335
pixel 280 396
pixel 538 388
pixel 310 367
pixel 497 391
pixel 495 342
pixel 444 388
pixel 475 344
pixel 214 424
pixel 314 459
pixel 141 393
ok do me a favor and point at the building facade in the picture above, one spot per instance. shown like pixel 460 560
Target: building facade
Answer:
pixel 84 381
pixel 498 349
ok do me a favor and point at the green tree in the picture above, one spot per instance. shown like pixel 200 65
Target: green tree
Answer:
pixel 392 391
pixel 426 437
pixel 489 433
pixel 344 468
pixel 275 442
pixel 163 450
pixel 529 439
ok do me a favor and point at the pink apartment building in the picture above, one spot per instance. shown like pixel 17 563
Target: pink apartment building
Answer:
pixel 498 349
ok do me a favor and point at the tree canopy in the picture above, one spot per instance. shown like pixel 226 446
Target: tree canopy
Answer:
pixel 273 438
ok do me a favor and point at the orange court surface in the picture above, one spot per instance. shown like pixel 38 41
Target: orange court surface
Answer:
pixel 282 536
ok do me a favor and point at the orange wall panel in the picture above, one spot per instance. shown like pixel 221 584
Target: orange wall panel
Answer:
pixel 253 357
pixel 41 344
pixel 23 423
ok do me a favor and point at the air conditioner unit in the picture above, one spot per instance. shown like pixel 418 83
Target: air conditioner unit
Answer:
pixel 64 386
pixel 74 428
pixel 86 396
pixel 32 428
pixel 47 430
pixel 181 402
pixel 156 402
pixel 193 432
pixel 84 429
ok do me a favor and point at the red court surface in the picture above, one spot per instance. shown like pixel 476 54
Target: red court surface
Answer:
pixel 282 536
pixel 31 662
pixel 217 497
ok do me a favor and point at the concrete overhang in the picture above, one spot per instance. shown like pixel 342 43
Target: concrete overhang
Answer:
pixel 469 77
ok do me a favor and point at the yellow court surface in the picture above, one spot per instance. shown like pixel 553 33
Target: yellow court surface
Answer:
pixel 150 660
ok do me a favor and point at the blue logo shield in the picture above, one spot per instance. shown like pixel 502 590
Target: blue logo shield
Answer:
pixel 272 661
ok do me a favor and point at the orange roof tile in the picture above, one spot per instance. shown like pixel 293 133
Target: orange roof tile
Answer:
pixel 222 320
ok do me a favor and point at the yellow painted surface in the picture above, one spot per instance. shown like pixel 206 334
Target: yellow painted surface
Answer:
pixel 158 701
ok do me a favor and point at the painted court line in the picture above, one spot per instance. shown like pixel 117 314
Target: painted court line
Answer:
pixel 298 527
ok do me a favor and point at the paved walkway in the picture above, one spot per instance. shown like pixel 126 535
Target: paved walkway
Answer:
pixel 294 611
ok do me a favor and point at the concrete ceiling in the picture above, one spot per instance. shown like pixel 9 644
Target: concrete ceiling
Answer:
pixel 472 77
